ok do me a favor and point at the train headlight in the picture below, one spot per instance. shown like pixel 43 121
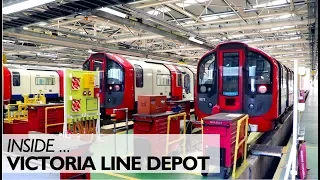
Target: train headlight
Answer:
pixel 203 89
pixel 210 105
pixel 262 89
pixel 251 106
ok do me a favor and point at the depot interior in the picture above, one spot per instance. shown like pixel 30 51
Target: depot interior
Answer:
pixel 170 67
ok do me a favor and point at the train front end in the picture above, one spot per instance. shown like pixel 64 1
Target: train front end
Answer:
pixel 235 78
pixel 116 82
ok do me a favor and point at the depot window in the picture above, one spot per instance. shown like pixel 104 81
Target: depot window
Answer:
pixel 45 81
pixel 139 76
pixel 15 78
pixel 259 72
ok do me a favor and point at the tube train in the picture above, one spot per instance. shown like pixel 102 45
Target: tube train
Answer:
pixel 122 81
pixel 124 78
pixel 18 82
pixel 237 78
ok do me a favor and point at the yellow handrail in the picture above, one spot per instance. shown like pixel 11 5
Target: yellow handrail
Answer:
pixel 238 144
pixel 184 131
pixel 46 118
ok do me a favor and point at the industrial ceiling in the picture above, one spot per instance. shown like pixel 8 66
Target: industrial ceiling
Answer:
pixel 63 33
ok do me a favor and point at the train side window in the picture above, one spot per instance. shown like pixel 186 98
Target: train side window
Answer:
pixel 15 78
pixel 207 74
pixel 259 72
pixel 163 80
pixel 186 83
pixel 45 81
pixel 139 76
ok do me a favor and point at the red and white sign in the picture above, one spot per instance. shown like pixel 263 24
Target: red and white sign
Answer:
pixel 75 83
pixel 76 105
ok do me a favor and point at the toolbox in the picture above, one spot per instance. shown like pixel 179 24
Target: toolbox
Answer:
pixel 151 104
pixel 225 125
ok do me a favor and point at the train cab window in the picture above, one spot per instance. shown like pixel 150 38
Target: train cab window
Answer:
pixel 179 78
pixel 139 76
pixel 186 83
pixel 86 65
pixel 207 74
pixel 15 78
pixel 259 73
pixel 115 80
pixel 230 73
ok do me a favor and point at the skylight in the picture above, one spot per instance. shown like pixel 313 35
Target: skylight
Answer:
pixel 24 5
pixel 272 3
pixel 292 38
pixel 114 12
pixel 280 17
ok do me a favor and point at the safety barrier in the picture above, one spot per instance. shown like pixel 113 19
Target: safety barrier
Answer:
pixel 242 142
pixel 21 114
pixel 181 137
pixel 46 118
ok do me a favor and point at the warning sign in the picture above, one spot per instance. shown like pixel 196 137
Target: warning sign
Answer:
pixel 76 106
pixel 75 83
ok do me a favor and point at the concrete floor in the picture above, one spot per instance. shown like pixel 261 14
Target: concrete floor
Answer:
pixel 309 120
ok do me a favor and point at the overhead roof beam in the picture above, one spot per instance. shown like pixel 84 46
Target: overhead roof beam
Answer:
pixel 220 21
pixel 81 44
pixel 157 3
pixel 182 11
pixel 139 25
pixel 254 26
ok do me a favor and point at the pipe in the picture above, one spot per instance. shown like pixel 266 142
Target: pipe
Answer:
pixel 253 26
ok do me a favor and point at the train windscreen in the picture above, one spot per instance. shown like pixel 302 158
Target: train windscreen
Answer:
pixel 230 74
pixel 207 74
pixel 115 78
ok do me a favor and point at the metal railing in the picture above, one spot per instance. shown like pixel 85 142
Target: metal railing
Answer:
pixel 239 144
pixel 184 115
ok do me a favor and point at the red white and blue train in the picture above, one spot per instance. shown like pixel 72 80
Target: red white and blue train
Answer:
pixel 237 78
pixel 123 79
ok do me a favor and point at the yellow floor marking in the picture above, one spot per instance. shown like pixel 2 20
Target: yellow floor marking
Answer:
pixel 120 176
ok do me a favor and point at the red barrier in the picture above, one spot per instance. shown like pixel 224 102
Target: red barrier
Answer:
pixel 302 161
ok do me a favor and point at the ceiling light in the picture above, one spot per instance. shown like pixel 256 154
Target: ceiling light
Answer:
pixel 105 27
pixel 25 28
pixel 90 51
pixel 189 3
pixel 209 18
pixel 216 40
pixel 24 5
pixel 272 3
pixel 292 38
pixel 189 22
pixel 195 40
pixel 236 36
pixel 114 12
pixel 42 23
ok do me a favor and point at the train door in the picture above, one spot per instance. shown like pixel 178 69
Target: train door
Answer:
pixel 230 96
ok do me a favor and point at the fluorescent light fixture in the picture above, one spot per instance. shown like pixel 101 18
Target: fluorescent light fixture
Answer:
pixel 215 40
pixel 114 12
pixel 189 22
pixel 190 2
pixel 272 3
pixel 280 17
pixel 256 40
pixel 209 18
pixel 42 23
pixel 158 11
pixel 292 38
pixel 90 51
pixel 105 27
pixel 236 36
pixel 299 50
pixel 225 15
pixel 249 41
pixel 195 40
pixel 24 5
pixel 25 28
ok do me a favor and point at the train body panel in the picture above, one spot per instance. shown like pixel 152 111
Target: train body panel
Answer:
pixel 6 85
pixel 237 78
pixel 176 82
